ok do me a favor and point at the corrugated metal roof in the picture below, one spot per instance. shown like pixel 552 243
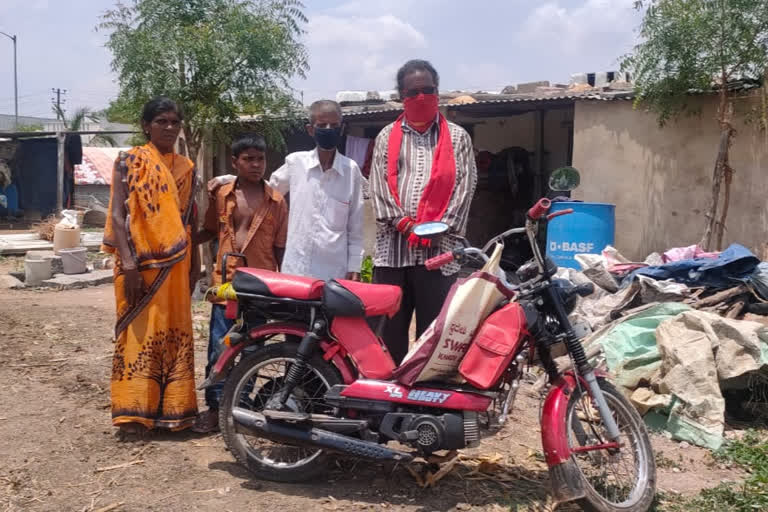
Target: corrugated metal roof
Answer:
pixel 374 109
pixel 363 110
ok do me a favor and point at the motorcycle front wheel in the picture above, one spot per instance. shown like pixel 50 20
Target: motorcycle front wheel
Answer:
pixel 254 381
pixel 618 480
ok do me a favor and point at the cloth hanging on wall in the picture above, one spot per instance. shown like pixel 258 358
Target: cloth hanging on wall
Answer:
pixel 357 149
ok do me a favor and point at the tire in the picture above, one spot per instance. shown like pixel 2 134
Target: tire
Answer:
pixel 319 374
pixel 634 440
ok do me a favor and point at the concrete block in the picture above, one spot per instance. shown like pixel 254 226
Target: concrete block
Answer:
pixel 57 267
pixel 71 282
pixel 530 87
pixel 579 78
pixel 8 282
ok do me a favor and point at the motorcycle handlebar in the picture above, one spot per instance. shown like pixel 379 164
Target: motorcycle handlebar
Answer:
pixel 439 261
pixel 538 210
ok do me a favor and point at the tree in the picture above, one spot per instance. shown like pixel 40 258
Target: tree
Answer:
pixel 218 58
pixel 75 124
pixel 698 46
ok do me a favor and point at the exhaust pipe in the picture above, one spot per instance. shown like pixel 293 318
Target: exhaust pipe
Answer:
pixel 255 424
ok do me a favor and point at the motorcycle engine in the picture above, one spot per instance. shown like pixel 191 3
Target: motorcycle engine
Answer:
pixel 428 433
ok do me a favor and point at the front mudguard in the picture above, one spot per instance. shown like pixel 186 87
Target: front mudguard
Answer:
pixel 255 336
pixel 567 484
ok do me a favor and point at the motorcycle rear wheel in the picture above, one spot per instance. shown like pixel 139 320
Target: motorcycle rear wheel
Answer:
pixel 620 481
pixel 255 380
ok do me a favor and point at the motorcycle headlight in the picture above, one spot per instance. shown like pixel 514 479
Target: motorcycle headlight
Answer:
pixel 529 270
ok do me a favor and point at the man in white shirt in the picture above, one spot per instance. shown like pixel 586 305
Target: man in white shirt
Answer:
pixel 325 218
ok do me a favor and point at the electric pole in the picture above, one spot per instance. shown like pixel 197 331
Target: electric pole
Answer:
pixel 58 102
pixel 15 83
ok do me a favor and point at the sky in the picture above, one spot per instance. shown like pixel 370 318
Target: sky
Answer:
pixel 353 45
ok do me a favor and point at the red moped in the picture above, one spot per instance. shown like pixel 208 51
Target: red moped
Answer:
pixel 320 382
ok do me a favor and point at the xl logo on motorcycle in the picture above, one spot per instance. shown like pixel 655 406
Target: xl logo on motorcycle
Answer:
pixel 394 391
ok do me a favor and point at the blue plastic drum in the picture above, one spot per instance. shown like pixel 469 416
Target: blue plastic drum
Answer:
pixel 587 230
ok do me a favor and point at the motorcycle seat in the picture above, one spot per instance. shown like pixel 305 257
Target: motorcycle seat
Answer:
pixel 351 298
pixel 265 282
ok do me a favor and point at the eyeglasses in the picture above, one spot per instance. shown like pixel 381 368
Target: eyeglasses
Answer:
pixel 409 93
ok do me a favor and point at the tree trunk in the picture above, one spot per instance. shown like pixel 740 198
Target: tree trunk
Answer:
pixel 714 228
pixel 717 175
pixel 764 106
pixel 727 172
pixel 199 152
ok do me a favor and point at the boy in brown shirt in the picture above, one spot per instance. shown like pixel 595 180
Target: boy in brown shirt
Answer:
pixel 249 217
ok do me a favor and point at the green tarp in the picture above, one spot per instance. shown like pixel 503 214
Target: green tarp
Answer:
pixel 672 361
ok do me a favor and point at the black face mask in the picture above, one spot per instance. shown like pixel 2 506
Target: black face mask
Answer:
pixel 327 138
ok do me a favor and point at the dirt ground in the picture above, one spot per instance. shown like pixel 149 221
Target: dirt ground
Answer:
pixel 59 451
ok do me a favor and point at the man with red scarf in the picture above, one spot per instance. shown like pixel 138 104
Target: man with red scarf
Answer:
pixel 423 169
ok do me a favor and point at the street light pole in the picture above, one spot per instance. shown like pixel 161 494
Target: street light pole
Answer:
pixel 15 84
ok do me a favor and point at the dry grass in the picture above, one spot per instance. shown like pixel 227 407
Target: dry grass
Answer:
pixel 45 228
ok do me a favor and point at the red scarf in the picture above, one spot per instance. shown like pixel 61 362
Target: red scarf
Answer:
pixel 437 194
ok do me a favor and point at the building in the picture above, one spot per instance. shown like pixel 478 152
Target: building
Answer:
pixel 93 177
pixel 8 121
pixel 658 178
pixel 661 178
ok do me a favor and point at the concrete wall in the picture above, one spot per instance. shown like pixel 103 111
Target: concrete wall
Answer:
pixel 660 178
pixel 495 134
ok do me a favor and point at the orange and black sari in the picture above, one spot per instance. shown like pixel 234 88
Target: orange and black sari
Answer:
pixel 153 377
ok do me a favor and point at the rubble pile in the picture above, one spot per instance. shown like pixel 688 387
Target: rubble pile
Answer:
pixel 684 334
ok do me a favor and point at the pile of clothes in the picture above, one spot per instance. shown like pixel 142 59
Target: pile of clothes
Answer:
pixel 733 282
pixel 684 335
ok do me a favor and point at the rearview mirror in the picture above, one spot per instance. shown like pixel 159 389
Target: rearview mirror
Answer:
pixel 564 179
pixel 430 230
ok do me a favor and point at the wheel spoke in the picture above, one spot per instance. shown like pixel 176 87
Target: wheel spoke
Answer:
pixel 255 390
pixel 616 476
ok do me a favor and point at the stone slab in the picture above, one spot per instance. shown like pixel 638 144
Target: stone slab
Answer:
pixel 71 282
pixel 8 282
pixel 19 244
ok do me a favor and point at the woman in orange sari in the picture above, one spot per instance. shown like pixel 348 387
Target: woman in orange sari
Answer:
pixel 149 233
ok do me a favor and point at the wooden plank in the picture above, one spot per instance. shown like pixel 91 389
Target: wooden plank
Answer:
pixel 735 310
pixel 722 296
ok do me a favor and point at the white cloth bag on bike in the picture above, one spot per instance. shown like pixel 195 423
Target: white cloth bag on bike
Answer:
pixel 439 351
